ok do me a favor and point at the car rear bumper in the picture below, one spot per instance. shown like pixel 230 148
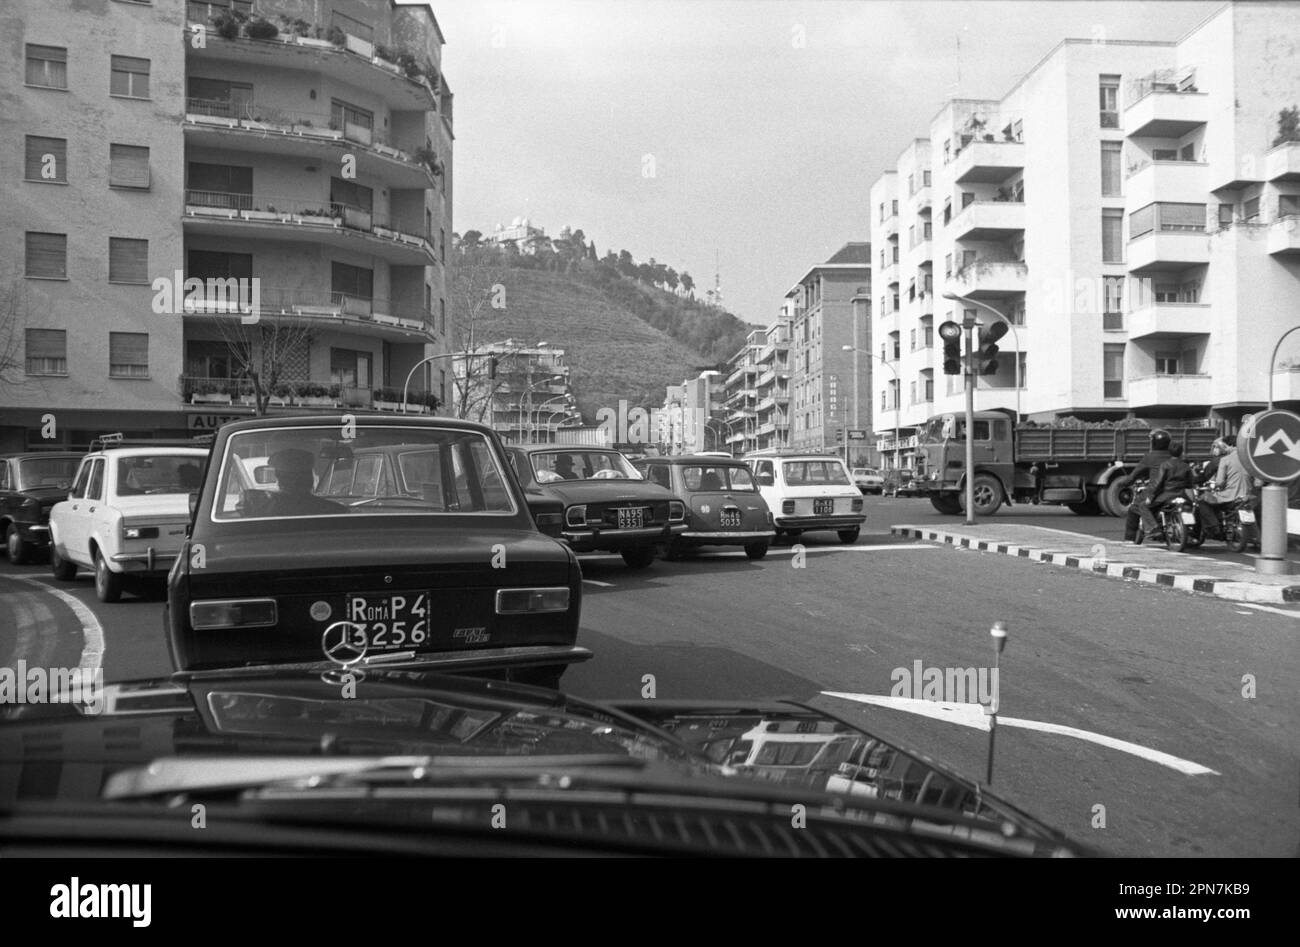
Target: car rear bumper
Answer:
pixel 37 534
pixel 729 536
pixel 478 660
pixel 839 521
pixel 152 560
pixel 588 540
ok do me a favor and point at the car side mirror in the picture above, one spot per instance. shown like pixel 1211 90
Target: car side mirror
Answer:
pixel 765 479
pixel 194 504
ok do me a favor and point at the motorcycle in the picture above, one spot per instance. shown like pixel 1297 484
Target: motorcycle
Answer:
pixel 1178 521
pixel 1239 523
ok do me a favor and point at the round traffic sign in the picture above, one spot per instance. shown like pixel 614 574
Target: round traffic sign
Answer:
pixel 1269 446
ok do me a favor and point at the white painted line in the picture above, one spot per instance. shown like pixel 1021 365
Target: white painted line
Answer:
pixel 972 715
pixel 603 585
pixel 92 652
pixel 1268 608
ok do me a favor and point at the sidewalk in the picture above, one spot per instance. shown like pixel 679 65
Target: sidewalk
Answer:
pixel 1189 571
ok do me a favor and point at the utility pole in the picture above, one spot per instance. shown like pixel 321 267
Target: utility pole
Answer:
pixel 969 323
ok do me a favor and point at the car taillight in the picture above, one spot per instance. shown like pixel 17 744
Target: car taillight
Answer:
pixel 787 507
pixel 139 532
pixel 576 516
pixel 549 521
pixel 532 601
pixel 233 613
pixel 857 505
pixel 676 511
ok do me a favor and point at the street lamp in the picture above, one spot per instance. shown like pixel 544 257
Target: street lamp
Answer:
pixel 967 301
pixel 546 425
pixel 898 391
pixel 428 360
pixel 1272 362
pixel 527 397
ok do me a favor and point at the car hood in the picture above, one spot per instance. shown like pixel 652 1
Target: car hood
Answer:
pixel 145 741
pixel 605 491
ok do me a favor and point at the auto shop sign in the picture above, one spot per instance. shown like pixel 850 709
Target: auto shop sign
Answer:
pixel 206 423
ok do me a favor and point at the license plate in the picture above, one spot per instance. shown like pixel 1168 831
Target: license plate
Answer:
pixel 1189 519
pixel 1246 516
pixel 731 518
pixel 823 507
pixel 391 622
pixel 631 519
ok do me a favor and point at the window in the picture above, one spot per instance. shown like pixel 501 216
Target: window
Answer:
pixel 354 281
pixel 912 340
pixel 1016 314
pixel 216 264
pixel 350 369
pixel 128 166
pixel 46 351
pixel 128 260
pixel 1110 174
pixel 1164 154
pixel 947 151
pixel 1288 205
pixel 46 159
pixel 895 253
pixel 95 488
pixel 219 185
pixel 1250 209
pixel 882 256
pixel 911 185
pixel 947 264
pixel 128 354
pixel 1113 371
pixel 1166 217
pixel 1225 215
pixel 205 359
pixel 47 255
pixel 929 389
pixel 219 97
pixel 1176 363
pixel 442 245
pixel 356 123
pixel 47 66
pixel 1108 88
pixel 351 194
pixel 442 316
pixel 882 212
pixel 129 77
pixel 1189 292
pixel 925 179
pixel 967 198
pixel 1113 289
pixel 894 208
pixel 928 336
pixel 947 210
pixel 911 235
pixel 1188 152
pixel 927 231
pixel 1112 233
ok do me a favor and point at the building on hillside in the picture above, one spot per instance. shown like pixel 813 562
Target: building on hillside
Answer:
pixel 520 232
pixel 1129 208
pixel 530 398
pixel 153 152
pixel 830 381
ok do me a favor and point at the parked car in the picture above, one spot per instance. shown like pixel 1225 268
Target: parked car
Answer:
pixel 868 479
pixel 901 482
pixel 353 542
pixel 30 485
pixel 808 492
pixel 412 763
pixel 608 506
pixel 723 505
pixel 126 515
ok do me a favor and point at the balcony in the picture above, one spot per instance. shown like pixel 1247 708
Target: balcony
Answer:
pixel 1172 182
pixel 1286 383
pixel 328 395
pixel 890 226
pixel 1158 391
pixel 1166 113
pixel 1170 319
pixel 988 162
pixel 921 200
pixel 987 279
pixel 989 220
pixel 263 129
pixel 1167 250
pixel 1283 162
pixel 1284 236
pixel 245 217
pixel 395 321
pixel 347 58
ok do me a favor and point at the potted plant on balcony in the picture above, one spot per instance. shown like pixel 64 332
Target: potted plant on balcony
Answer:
pixel 259 28
pixel 209 392
pixel 336 36
pixel 386 399
pixel 1288 126
pixel 227 24
pixel 312 395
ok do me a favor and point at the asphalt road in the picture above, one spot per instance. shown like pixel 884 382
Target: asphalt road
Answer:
pixel 1171 753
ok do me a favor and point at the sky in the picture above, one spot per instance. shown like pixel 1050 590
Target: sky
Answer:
pixel 741 133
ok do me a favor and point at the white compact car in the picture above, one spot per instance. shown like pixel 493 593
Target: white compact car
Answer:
pixel 126 515
pixel 809 492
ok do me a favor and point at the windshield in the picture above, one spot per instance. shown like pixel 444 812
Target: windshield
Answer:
pixel 47 472
pixel 933 431
pixel 704 479
pixel 313 471
pixel 158 473
pixel 815 473
pixel 552 466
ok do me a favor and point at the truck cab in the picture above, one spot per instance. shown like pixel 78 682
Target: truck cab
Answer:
pixel 942 457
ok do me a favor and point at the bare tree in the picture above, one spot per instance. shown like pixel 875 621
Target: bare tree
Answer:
pixel 479 302
pixel 14 305
pixel 261 351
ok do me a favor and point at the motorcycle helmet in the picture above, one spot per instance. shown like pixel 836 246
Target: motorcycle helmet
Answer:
pixel 1160 439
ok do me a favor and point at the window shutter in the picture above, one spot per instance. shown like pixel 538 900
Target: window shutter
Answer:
pixel 128 353
pixel 37 149
pixel 47 254
pixel 128 260
pixel 128 166
pixel 47 343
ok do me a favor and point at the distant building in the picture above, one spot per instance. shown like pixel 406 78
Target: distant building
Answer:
pixel 530 398
pixel 692 416
pixel 520 232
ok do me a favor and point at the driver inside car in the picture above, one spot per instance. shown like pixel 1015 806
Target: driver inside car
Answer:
pixel 293 475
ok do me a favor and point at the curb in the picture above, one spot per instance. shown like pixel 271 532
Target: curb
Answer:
pixel 1236 591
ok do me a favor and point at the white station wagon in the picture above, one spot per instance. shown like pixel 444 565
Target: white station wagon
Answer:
pixel 126 515
pixel 809 492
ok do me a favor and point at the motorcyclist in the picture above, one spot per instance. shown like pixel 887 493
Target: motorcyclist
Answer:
pixel 1231 483
pixel 1146 467
pixel 1172 479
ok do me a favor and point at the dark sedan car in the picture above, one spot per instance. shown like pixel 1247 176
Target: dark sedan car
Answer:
pixel 355 542
pixel 283 762
pixel 607 505
pixel 723 505
pixel 29 485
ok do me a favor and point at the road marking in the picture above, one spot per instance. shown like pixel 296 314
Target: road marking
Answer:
pixel 788 551
pixel 92 652
pixel 1268 608
pixel 972 715
pixel 603 585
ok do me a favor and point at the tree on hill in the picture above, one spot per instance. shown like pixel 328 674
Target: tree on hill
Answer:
pixel 688 284
pixel 472 240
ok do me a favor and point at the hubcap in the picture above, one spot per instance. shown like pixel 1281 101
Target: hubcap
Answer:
pixel 101 573
pixel 11 543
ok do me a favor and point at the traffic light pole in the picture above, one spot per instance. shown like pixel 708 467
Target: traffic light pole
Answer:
pixel 968 374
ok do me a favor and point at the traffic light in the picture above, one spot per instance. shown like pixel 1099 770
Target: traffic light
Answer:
pixel 492 367
pixel 986 349
pixel 950 332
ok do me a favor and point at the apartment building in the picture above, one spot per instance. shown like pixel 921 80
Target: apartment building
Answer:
pixel 530 397
pixel 740 395
pixel 830 327
pixel 1125 207
pixel 772 421
pixel 217 192
pixel 693 415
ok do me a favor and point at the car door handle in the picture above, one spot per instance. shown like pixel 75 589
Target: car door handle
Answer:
pixel 90 509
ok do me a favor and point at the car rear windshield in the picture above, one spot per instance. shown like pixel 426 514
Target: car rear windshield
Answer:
pixel 704 479
pixel 553 465
pixel 383 470
pixel 158 473
pixel 815 473
pixel 47 472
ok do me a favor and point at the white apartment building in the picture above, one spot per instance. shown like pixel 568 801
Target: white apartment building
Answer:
pixel 741 395
pixel 1125 206
pixel 772 421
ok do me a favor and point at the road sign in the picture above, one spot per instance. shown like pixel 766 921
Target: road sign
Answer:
pixel 857 435
pixel 1269 446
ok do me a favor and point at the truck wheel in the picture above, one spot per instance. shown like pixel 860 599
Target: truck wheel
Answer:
pixel 639 557
pixel 1119 496
pixel 987 492
pixel 948 505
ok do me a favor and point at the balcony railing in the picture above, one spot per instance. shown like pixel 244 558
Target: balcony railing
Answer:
pixel 284 301
pixel 198 389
